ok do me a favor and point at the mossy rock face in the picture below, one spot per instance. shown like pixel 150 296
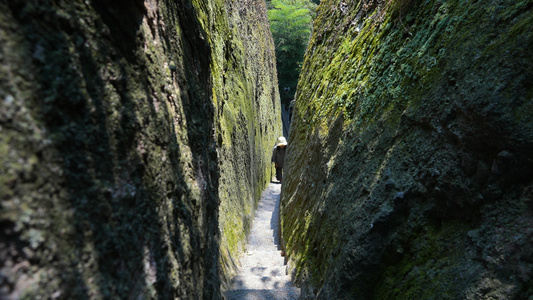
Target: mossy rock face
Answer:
pixel 248 116
pixel 409 173
pixel 128 130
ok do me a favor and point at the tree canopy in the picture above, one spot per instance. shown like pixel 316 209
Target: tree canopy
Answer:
pixel 290 22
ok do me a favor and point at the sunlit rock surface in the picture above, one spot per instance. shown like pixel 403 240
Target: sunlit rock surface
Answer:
pixel 129 130
pixel 409 166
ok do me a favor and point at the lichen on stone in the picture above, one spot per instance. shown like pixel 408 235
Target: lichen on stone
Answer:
pixel 133 135
pixel 402 110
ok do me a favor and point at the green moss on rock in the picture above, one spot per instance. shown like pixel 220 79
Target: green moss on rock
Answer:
pixel 409 136
pixel 133 137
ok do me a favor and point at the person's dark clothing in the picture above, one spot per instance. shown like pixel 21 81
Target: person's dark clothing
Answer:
pixel 279 173
pixel 278 157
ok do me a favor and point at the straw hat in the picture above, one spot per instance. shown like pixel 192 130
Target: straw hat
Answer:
pixel 282 141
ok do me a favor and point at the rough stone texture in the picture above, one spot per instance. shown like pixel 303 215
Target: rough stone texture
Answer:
pixel 249 115
pixel 124 127
pixel 409 167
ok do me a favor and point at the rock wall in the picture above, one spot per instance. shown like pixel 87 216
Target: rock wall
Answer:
pixel 248 119
pixel 128 131
pixel 409 167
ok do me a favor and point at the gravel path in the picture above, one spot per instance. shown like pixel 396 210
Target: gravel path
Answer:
pixel 262 274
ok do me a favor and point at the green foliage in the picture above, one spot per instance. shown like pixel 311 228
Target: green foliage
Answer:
pixel 290 22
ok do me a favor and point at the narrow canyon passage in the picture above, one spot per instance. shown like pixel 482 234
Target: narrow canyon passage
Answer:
pixel 136 140
pixel 262 272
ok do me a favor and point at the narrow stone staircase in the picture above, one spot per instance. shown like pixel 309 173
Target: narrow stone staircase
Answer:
pixel 262 274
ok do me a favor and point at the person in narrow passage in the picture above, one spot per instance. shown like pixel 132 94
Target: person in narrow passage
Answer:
pixel 291 108
pixel 278 157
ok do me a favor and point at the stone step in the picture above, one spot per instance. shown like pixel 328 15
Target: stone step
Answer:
pixel 264 271
pixel 287 294
pixel 266 223
pixel 264 248
pixel 262 240
pixel 262 259
pixel 277 283
pixel 262 216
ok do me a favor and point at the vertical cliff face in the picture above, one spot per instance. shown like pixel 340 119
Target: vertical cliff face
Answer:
pixel 409 171
pixel 125 126
pixel 248 117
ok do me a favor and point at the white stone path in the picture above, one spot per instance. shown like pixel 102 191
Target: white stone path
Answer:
pixel 263 274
